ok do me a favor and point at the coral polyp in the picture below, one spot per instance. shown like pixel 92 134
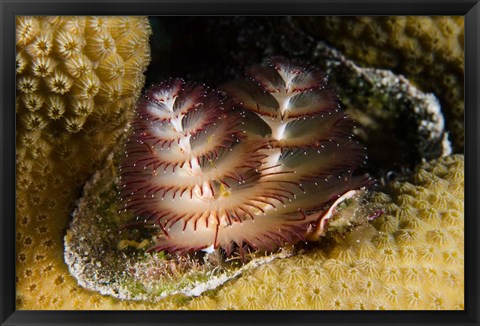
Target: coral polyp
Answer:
pixel 255 170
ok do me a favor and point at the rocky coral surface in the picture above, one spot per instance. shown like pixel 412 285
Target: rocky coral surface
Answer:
pixel 427 49
pixel 411 257
pixel 412 244
pixel 383 103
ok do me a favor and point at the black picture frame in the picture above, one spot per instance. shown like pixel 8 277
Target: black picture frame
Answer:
pixel 10 8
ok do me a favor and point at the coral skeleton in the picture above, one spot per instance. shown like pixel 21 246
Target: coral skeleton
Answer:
pixel 254 167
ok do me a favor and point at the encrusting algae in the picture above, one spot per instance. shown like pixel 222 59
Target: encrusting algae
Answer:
pixel 77 81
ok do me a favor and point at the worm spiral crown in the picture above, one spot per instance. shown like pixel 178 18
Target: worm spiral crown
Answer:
pixel 256 171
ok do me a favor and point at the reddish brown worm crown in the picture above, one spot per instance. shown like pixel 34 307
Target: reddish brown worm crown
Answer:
pixel 255 167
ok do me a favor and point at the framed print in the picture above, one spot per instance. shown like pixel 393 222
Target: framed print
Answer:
pixel 205 162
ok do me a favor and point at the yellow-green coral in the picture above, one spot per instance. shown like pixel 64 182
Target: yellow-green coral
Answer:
pixel 409 258
pixel 77 81
pixel 428 50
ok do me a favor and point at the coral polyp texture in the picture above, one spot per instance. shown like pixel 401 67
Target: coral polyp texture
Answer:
pixel 253 173
pixel 411 257
pixel 77 82
pixel 429 50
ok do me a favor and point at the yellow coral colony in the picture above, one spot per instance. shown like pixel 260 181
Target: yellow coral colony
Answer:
pixel 70 110
pixel 77 81
pixel 409 258
pixel 428 50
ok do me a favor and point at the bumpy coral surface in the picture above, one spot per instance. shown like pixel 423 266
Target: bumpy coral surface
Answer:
pixel 374 267
pixel 77 81
pixel 208 176
pixel 411 257
pixel 429 50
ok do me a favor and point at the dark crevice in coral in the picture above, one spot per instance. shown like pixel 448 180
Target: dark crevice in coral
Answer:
pixel 215 50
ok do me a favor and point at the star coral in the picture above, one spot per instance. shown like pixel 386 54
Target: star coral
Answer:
pixel 411 257
pixel 372 257
pixel 75 92
pixel 42 270
pixel 427 49
pixel 208 175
